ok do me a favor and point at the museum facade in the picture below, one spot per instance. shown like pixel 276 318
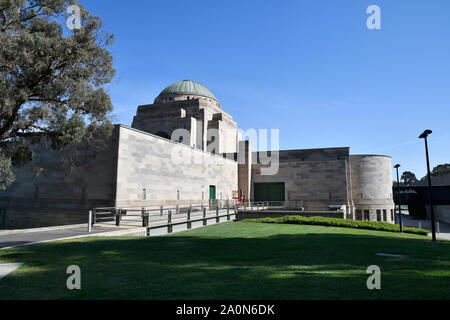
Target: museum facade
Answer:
pixel 184 148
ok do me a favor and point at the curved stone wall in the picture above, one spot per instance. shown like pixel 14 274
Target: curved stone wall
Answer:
pixel 371 178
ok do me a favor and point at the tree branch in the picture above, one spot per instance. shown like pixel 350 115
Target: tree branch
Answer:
pixel 66 102
pixel 4 17
pixel 7 24
pixel 36 134
pixel 9 123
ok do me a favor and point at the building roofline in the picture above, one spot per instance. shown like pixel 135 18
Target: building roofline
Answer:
pixel 311 149
pixel 173 142
pixel 187 94
pixel 370 155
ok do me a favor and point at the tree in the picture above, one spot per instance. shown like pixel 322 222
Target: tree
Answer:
pixel 408 177
pixel 51 79
pixel 441 170
pixel 395 184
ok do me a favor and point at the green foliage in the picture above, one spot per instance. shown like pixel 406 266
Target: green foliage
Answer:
pixel 6 175
pixel 334 222
pixel 408 177
pixel 51 79
pixel 229 261
pixel 441 170
pixel 396 184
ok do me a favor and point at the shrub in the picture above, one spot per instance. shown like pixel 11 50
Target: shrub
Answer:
pixel 334 222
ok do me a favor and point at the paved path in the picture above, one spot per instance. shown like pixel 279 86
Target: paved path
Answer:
pixel 426 224
pixel 7 268
pixel 8 240
pixel 17 238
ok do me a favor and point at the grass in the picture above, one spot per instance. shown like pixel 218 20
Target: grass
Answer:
pixel 234 261
pixel 343 223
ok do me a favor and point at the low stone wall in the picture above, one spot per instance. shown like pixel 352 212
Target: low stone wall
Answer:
pixel 441 213
pixel 134 232
pixel 243 215
pixel 32 218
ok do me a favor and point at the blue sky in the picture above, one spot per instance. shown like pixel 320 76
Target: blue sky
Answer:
pixel 309 68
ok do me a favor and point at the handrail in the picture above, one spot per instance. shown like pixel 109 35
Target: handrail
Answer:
pixel 146 214
pixel 267 205
pixel 171 207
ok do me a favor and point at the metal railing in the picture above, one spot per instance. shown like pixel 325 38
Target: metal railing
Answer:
pixel 153 217
pixel 272 205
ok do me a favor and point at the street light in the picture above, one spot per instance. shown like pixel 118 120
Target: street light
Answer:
pixel 424 136
pixel 398 199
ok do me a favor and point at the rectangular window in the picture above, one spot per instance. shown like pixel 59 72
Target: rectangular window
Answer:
pixel 358 215
pixel 144 194
pixel 378 215
pixel 385 215
pixel 392 215
pixel 367 215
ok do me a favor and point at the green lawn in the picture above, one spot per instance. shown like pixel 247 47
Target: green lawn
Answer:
pixel 234 261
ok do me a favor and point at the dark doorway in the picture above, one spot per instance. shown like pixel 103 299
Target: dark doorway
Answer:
pixel 212 192
pixel 269 191
pixel 2 218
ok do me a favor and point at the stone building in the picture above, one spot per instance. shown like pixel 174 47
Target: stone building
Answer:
pixel 184 148
pixel 190 106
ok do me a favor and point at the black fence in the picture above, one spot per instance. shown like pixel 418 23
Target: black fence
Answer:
pixel 416 198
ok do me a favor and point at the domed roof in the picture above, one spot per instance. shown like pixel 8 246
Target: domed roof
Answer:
pixel 188 87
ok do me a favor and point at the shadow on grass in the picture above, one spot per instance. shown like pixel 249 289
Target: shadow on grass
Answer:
pixel 277 266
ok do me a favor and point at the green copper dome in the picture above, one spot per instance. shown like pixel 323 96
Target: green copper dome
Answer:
pixel 188 87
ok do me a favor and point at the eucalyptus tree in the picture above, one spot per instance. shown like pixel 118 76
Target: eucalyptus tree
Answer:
pixel 53 74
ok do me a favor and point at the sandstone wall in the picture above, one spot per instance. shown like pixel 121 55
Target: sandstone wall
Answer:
pixel 62 194
pixel 371 178
pixel 169 171
pixel 316 177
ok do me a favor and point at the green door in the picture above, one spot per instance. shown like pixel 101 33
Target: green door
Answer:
pixel 212 192
pixel 269 191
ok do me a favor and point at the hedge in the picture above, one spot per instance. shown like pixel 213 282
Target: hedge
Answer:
pixel 335 222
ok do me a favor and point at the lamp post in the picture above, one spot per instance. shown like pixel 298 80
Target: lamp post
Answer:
pixel 398 199
pixel 424 136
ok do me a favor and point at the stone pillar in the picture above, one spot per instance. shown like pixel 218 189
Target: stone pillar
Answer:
pixel 245 168
pixel 193 140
